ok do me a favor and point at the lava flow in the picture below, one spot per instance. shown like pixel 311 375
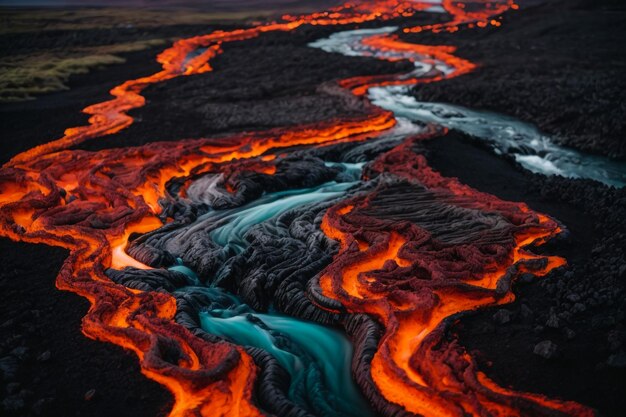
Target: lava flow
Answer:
pixel 412 274
pixel 399 263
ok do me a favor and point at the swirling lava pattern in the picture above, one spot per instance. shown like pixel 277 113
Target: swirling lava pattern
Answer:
pixel 392 254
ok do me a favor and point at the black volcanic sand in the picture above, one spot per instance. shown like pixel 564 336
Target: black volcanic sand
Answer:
pixel 29 42
pixel 47 366
pixel 558 64
pixel 579 308
pixel 31 123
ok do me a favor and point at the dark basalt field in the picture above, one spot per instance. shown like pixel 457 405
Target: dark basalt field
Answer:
pixel 558 65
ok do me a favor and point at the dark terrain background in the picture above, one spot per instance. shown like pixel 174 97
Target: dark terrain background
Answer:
pixel 204 4
pixel 558 64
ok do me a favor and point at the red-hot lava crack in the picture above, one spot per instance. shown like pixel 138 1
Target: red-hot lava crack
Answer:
pixel 410 279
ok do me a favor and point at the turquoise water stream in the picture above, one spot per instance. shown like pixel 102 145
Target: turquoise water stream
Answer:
pixel 240 220
pixel 317 358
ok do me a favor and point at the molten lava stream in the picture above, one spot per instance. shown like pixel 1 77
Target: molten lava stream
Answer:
pixel 413 283
pixel 390 47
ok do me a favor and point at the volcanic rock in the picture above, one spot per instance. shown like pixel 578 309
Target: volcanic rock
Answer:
pixel 545 349
pixel 617 360
pixel 89 395
pixel 502 316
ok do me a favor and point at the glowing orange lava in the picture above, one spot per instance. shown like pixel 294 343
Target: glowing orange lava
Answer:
pixel 427 282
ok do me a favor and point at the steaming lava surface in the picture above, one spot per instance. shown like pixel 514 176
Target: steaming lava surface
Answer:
pixel 272 219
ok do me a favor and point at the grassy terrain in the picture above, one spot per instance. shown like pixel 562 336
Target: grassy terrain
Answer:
pixel 40 49
pixel 22 77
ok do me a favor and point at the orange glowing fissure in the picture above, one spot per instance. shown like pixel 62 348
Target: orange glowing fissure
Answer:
pixel 114 193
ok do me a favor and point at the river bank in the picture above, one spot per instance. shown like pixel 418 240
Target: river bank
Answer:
pixel 556 64
pixel 578 309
